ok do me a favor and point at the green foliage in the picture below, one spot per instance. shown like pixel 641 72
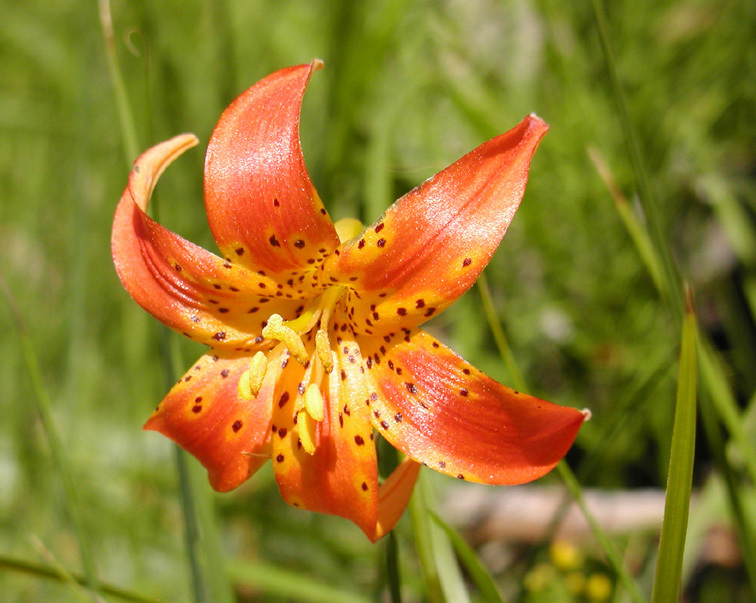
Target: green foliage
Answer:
pixel 409 86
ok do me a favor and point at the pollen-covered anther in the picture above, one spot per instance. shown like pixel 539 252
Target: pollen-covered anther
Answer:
pixel 251 380
pixel 323 349
pixel 306 430
pixel 276 329
pixel 314 403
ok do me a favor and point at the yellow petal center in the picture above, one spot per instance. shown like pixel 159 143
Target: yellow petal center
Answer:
pixel 296 337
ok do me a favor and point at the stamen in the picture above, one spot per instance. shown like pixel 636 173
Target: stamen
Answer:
pixel 276 329
pixel 306 429
pixel 314 403
pixel 251 380
pixel 323 349
pixel 348 228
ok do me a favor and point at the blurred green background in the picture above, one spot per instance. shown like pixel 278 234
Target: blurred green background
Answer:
pixel 409 86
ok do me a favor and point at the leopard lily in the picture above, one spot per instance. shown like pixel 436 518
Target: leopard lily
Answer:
pixel 313 327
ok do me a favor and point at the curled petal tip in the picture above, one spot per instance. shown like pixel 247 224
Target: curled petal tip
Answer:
pixel 536 123
pixel 150 165
pixel 587 414
pixel 316 65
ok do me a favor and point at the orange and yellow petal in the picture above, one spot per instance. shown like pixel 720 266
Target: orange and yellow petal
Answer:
pixel 431 245
pixel 438 410
pixel 393 496
pixel 261 205
pixel 340 476
pixel 191 290
pixel 204 414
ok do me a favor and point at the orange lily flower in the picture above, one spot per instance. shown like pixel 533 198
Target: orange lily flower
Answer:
pixel 313 327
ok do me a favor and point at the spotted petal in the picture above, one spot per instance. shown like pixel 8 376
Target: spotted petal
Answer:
pixel 184 286
pixel 439 410
pixel 432 244
pixel 340 477
pixel 205 415
pixel 261 205
pixel 393 496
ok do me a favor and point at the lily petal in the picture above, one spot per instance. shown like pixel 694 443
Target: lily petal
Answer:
pixel 340 477
pixel 205 415
pixel 184 286
pixel 431 245
pixel 393 496
pixel 438 410
pixel 261 205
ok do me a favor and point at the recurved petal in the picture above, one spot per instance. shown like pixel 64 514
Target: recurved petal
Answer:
pixel 393 496
pixel 431 245
pixel 189 289
pixel 261 205
pixel 439 410
pixel 205 415
pixel 340 477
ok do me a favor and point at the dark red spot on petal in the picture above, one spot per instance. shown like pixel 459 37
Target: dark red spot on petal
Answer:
pixel 236 426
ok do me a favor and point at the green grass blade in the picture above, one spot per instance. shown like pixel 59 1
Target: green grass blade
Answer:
pixel 443 579
pixel 292 585
pixel 677 504
pixel 393 577
pixel 57 449
pixel 49 573
pixel 633 225
pixel 472 564
pixel 568 477
pixel 423 544
pixel 742 522
pixel 125 116
pixel 518 381
pixel 648 198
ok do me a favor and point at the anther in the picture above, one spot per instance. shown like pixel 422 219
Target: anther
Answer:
pixel 306 429
pixel 276 329
pixel 251 380
pixel 314 403
pixel 323 349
